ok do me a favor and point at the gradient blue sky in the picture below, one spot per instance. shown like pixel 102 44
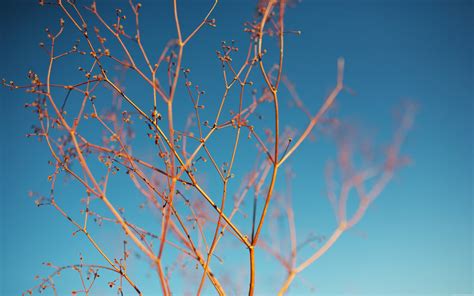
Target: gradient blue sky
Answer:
pixel 419 233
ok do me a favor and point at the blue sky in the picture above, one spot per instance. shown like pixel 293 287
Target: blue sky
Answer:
pixel 418 233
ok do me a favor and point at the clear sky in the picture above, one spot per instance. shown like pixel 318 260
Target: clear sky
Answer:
pixel 418 234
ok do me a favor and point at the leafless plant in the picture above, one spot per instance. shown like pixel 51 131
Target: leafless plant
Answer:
pixel 172 181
